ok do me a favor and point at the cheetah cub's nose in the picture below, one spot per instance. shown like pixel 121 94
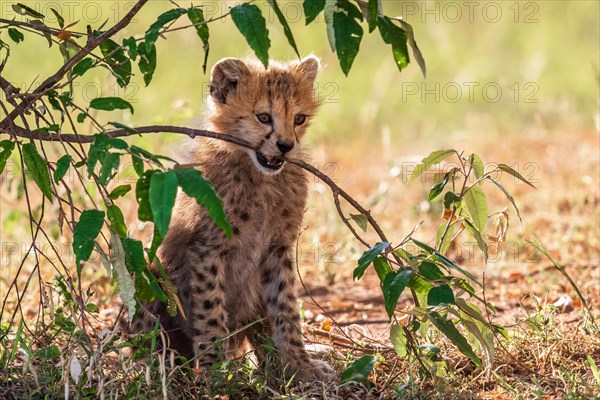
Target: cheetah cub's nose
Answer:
pixel 284 146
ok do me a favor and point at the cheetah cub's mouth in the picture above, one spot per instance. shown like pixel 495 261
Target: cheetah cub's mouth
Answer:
pixel 271 164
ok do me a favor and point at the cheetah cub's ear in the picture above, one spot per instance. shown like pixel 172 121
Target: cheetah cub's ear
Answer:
pixel 309 67
pixel 225 77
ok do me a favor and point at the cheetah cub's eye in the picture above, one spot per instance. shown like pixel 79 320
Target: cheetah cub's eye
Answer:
pixel 300 119
pixel 265 118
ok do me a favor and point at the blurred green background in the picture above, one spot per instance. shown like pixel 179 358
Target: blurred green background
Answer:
pixel 493 68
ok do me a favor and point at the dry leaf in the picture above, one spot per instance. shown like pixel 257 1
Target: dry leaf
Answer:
pixel 448 213
pixel 75 369
pixel 64 35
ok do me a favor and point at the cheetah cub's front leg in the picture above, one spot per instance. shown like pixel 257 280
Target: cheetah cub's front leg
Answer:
pixel 278 282
pixel 209 317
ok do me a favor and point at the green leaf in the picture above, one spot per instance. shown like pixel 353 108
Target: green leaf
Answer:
pixel 110 103
pixel 131 45
pixel 477 164
pixel 372 13
pixel 312 8
pixel 404 255
pixel 46 129
pixel 38 169
pixel 382 267
pixel 46 33
pixel 117 220
pixel 440 258
pixel 393 286
pixel 119 63
pixel 349 8
pixel 110 166
pixel 464 285
pixel 138 164
pixel 477 235
pixel 15 35
pixel 395 36
pixel 146 154
pixel 163 191
pixel 91 308
pixel 593 368
pixel 97 151
pixel 22 9
pixel 398 340
pixel 52 94
pixel 119 125
pixel 348 35
pixel 146 283
pixel 430 271
pixel 157 239
pixel 439 187
pixel 81 117
pixel 361 220
pixel 330 8
pixel 471 310
pixel 450 198
pixel 250 22
pixel 419 284
pixel 62 166
pixel 413 44
pixel 481 332
pixel 286 27
pixel 7 147
pixel 138 155
pixel 447 240
pixel 359 370
pixel 196 16
pixel 477 205
pixel 432 159
pixel 440 295
pixel 147 62
pixel 508 196
pixel 194 185
pixel 48 353
pixel 119 191
pixel 59 18
pixel 85 233
pixel 126 284
pixel 509 170
pixel 82 66
pixel 449 330
pixel 161 20
pixel 368 256
pixel 142 195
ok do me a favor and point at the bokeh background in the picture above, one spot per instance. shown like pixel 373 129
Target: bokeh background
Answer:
pixel 515 82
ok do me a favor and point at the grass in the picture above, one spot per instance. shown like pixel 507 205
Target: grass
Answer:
pixel 369 131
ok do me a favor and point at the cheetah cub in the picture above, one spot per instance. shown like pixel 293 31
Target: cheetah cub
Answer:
pixel 225 284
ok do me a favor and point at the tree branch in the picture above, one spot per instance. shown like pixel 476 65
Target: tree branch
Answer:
pixel 92 43
pixel 193 133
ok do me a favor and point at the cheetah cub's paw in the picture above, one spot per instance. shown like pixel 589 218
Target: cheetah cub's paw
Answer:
pixel 317 370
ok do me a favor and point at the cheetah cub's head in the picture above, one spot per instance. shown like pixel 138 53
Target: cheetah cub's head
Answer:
pixel 270 108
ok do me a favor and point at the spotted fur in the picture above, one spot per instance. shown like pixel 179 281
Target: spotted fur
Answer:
pixel 225 284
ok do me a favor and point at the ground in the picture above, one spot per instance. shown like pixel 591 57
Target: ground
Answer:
pixel 547 353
